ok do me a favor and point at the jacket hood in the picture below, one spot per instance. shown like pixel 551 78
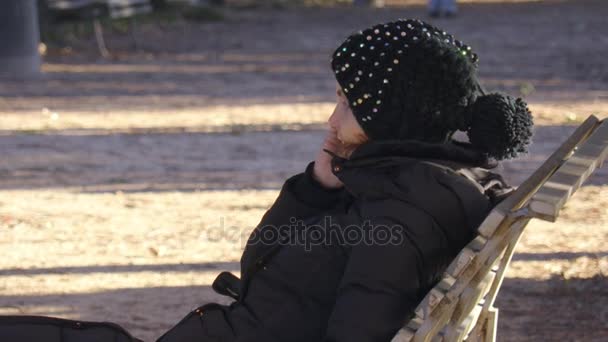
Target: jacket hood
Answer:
pixel 374 152
pixel 371 167
pixel 455 151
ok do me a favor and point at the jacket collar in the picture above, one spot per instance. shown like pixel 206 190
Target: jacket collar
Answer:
pixel 390 151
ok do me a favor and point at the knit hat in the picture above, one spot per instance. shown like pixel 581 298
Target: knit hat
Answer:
pixel 410 80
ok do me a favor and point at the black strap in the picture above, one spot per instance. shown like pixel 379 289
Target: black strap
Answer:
pixel 227 284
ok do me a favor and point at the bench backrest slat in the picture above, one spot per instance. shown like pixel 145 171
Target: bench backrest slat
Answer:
pixel 552 196
pixel 470 284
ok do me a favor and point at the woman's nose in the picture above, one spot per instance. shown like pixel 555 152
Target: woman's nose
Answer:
pixel 332 119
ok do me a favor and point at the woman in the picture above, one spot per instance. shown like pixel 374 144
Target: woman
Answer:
pixel 352 244
pixel 448 7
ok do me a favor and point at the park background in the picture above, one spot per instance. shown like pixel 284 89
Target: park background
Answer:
pixel 127 182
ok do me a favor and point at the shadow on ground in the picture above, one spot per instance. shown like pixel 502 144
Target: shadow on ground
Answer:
pixel 153 310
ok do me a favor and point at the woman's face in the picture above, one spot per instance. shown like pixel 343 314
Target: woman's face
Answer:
pixel 343 121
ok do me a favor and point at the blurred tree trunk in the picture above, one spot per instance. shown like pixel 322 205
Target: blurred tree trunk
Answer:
pixel 20 35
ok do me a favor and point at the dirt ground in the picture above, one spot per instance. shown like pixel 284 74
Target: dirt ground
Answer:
pixel 127 184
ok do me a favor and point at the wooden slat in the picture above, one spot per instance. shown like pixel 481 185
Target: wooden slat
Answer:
pixel 552 196
pixel 435 322
pixel 477 243
pixel 414 323
pixel 516 200
pixel 489 225
pixel 515 234
pixel 491 326
pixel 430 301
pixel 596 146
pixel 460 262
pixel 599 139
pixel 403 335
pixel 435 296
pixel 471 296
pixel 485 328
pixel 548 201
pixel 446 282
pixel 459 332
pixel 564 180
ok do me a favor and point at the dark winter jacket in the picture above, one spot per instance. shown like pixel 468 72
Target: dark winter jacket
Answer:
pixel 351 264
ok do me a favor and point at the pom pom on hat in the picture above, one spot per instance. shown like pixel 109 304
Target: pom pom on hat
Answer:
pixel 500 125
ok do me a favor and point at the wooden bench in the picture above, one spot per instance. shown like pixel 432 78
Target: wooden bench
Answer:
pixel 96 9
pixel 461 306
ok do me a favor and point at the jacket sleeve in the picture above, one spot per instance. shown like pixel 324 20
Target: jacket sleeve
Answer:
pixel 383 282
pixel 301 197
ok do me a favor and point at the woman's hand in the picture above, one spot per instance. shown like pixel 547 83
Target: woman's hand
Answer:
pixel 322 172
